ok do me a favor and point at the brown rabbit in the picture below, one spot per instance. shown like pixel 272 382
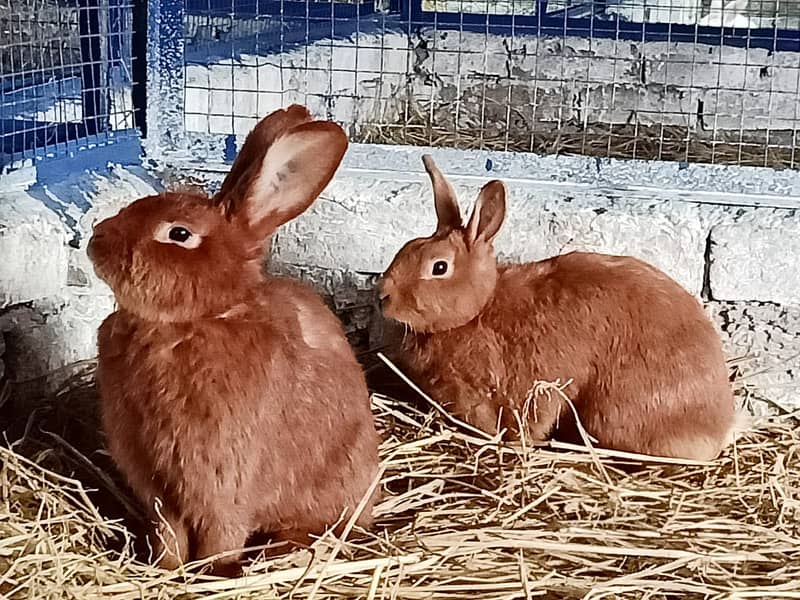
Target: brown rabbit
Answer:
pixel 647 368
pixel 230 399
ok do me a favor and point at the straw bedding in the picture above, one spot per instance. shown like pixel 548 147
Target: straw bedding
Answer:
pixel 502 118
pixel 462 517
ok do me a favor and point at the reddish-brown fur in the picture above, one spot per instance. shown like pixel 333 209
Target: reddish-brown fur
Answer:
pixel 647 367
pixel 230 398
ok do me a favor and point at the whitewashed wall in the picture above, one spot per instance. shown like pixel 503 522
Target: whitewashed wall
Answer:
pixel 368 80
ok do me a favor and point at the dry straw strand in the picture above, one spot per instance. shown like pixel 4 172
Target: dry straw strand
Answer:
pixel 462 516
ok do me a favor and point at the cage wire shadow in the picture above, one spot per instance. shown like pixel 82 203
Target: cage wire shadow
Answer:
pixel 684 80
pixel 65 77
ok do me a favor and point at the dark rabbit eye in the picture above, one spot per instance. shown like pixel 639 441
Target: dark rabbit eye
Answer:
pixel 440 268
pixel 179 234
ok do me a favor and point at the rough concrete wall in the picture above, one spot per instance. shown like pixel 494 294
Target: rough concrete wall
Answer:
pixel 765 337
pixel 37 240
pixel 2 361
pixel 738 258
pixel 503 82
pixel 755 256
pixel 51 303
pixel 362 222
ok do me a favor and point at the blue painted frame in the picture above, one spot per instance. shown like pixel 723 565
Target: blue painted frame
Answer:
pixel 563 23
pixel 581 20
pixel 287 8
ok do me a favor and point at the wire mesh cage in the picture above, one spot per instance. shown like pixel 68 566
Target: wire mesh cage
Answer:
pixel 65 76
pixel 715 81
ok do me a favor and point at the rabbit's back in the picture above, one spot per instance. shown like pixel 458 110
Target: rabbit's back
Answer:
pixel 647 364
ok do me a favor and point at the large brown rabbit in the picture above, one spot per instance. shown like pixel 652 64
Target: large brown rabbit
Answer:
pixel 230 399
pixel 647 366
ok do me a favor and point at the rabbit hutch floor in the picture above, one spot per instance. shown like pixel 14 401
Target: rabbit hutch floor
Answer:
pixel 462 516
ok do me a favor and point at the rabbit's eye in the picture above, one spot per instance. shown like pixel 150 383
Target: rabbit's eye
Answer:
pixel 179 234
pixel 169 232
pixel 439 268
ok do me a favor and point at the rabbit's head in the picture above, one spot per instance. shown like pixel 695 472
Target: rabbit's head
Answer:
pixel 444 281
pixel 183 256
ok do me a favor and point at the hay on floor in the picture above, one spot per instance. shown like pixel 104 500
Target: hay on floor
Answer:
pixel 463 517
pixel 511 124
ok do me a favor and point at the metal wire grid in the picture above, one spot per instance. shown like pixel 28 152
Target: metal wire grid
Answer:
pixel 396 78
pixel 241 65
pixel 65 80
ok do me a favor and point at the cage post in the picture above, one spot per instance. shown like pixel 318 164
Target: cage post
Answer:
pixel 139 43
pixel 165 77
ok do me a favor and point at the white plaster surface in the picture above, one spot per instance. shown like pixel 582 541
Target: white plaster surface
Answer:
pixel 52 303
pixel 33 250
pixel 51 333
pixel 756 256
pixel 725 185
pixel 361 222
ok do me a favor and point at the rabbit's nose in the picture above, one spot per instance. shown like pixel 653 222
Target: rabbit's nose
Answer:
pixel 95 245
pixel 383 299
pixel 384 285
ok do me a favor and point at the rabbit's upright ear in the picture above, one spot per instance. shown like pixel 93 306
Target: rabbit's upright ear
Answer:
pixel 448 216
pixel 295 170
pixel 248 162
pixel 488 214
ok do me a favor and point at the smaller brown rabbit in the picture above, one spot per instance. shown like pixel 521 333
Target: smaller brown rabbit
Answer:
pixel 231 400
pixel 647 367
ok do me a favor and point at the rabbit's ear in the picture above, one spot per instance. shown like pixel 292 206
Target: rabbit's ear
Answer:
pixel 447 214
pixel 295 170
pixel 248 162
pixel 488 214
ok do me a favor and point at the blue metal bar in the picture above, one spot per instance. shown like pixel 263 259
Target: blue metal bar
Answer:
pixel 288 8
pixel 81 153
pixel 11 82
pixel 20 135
pixel 547 25
pixel 139 57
